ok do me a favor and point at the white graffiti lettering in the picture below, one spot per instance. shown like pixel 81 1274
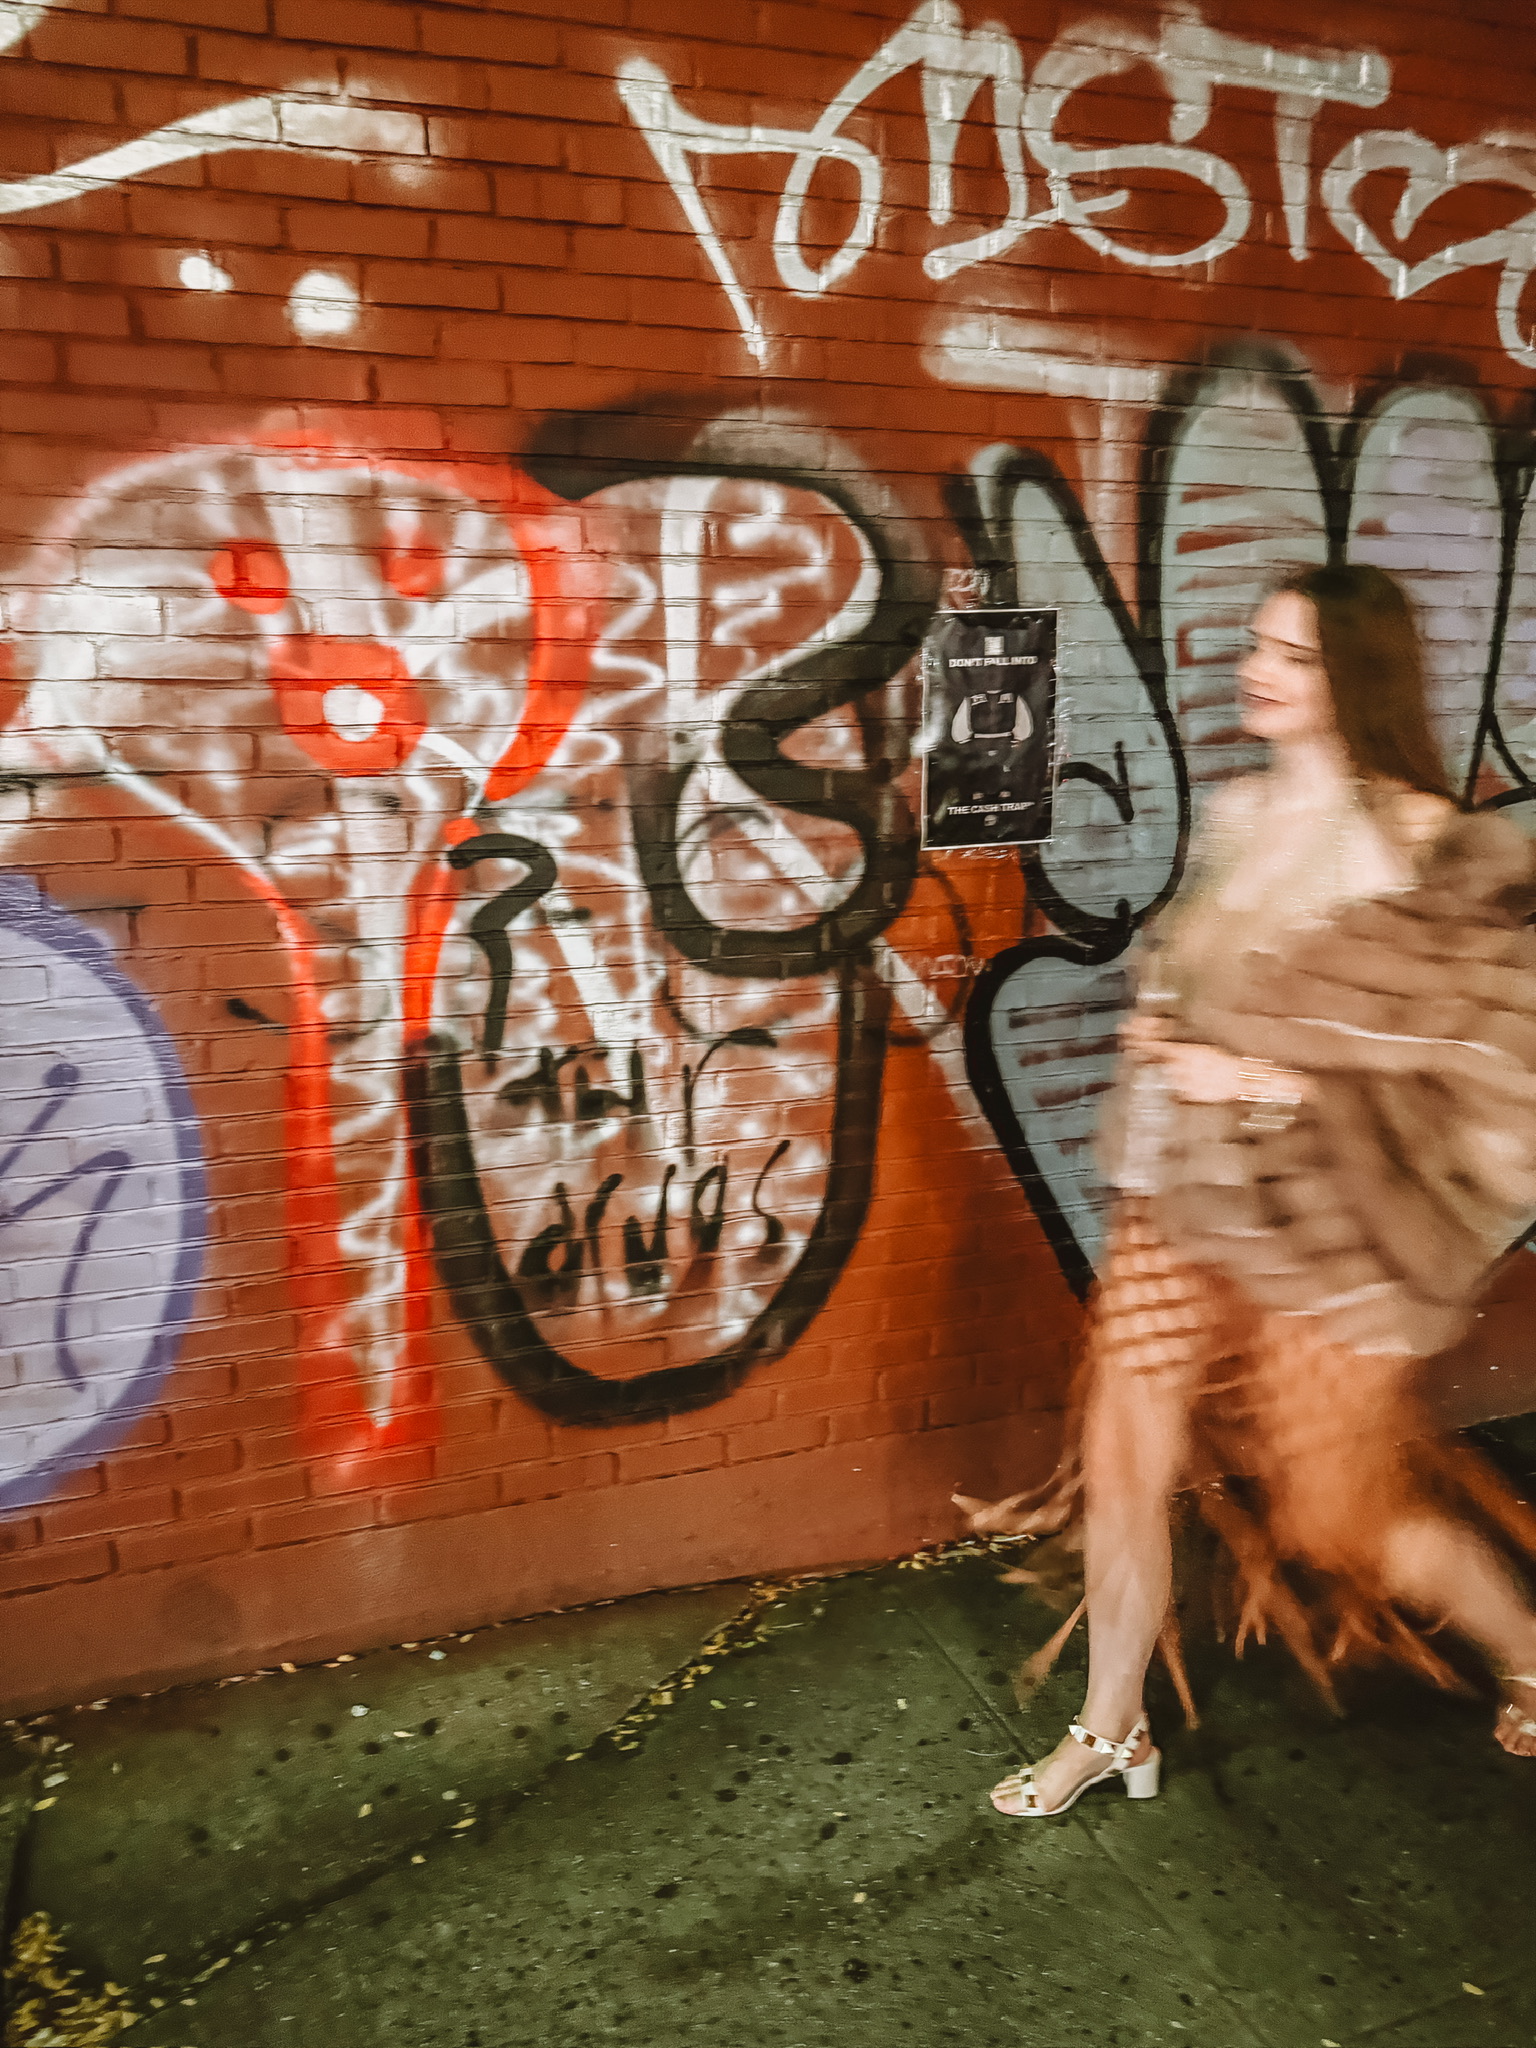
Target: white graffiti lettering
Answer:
pixel 1195 61
pixel 281 121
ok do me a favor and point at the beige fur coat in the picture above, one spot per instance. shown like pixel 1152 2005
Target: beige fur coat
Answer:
pixel 1380 1206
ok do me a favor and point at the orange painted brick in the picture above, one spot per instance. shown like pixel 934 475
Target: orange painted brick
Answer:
pixel 376 22
pixel 359 231
pixel 418 81
pixel 246 318
pixel 203 216
pixel 971 1404
pixel 125 46
pixel 312 1521
pixel 88 842
pixel 547 1478
pixel 247 16
pixel 164 1465
pixel 564 94
pixel 876 1418
pixel 535 243
pixel 633 254
pixel 557 196
pixel 26 256
pixel 20 1532
pixel 243 1494
pixel 558 387
pixel 657 1461
pixel 436 188
pixel 825 1393
pixel 404 1465
pixel 430 284
pixel 284 373
pixel 54 1564
pixel 164 367
pixel 58 309
pixel 41 94
pixel 746 1408
pixel 307 176
pixel 921 1376
pixel 466 1496
pixel 446 384
pixel 498 338
pixel 181 1543
pixel 106 1513
pixel 249 1417
pixel 495 139
pixel 775 1439
pixel 501 38
pixel 488 1450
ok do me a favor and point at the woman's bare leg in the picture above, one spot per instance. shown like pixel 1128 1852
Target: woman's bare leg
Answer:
pixel 1344 1498
pixel 1135 1436
pixel 1446 1570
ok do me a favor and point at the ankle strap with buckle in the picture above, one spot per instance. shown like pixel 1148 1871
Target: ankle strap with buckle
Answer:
pixel 1122 1752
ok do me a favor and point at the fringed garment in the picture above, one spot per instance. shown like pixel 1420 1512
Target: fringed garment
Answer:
pixel 1221 1281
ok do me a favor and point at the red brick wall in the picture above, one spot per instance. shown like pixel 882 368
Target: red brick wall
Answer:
pixel 497 1109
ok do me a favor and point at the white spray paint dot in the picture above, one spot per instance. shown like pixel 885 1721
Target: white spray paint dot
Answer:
pixel 352 712
pixel 200 273
pixel 322 303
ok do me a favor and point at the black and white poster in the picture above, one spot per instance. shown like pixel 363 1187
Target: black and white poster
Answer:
pixel 989 681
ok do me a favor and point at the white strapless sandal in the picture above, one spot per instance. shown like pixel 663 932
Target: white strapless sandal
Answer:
pixel 1141 1780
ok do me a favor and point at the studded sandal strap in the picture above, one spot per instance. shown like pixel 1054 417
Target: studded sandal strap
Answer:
pixel 1122 1752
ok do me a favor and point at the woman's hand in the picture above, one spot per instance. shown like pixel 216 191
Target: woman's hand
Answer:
pixel 1202 1073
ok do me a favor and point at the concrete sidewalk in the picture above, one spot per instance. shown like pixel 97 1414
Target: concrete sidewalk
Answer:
pixel 759 1817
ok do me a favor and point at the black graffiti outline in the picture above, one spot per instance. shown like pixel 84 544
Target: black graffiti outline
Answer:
pixel 645 442
pixel 1090 941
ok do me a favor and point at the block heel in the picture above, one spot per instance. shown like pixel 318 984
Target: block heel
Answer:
pixel 1143 1781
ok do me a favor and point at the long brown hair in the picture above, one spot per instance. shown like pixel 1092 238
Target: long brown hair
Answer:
pixel 1375 669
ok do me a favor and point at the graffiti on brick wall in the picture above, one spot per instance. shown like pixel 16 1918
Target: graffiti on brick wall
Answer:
pixel 1030 126
pixel 577 821
pixel 542 834
pixel 303 671
pixel 645 1178
pixel 101 1196
pixel 572 833
pixel 1250 476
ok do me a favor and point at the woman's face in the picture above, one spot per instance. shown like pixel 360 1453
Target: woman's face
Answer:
pixel 1285 693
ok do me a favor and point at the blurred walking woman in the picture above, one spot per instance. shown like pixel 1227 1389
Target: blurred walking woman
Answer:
pixel 1322 1135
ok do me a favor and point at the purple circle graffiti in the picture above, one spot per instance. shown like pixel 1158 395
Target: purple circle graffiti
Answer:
pixel 102 1196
